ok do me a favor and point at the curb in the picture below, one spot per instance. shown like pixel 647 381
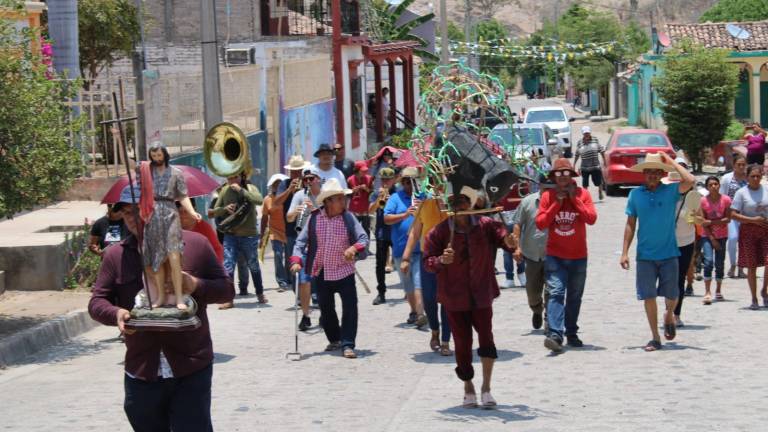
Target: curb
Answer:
pixel 32 340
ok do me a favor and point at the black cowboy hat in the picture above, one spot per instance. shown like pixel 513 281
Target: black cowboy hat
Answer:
pixel 323 148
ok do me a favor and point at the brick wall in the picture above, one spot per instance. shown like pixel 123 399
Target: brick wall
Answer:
pixel 178 21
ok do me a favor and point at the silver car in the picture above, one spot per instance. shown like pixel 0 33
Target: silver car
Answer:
pixel 527 137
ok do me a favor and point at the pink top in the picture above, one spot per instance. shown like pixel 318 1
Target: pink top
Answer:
pixel 714 211
pixel 332 241
pixel 756 144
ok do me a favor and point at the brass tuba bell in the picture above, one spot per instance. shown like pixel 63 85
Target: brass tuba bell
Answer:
pixel 226 150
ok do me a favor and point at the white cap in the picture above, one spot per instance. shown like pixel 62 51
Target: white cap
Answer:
pixel 276 177
pixel 586 130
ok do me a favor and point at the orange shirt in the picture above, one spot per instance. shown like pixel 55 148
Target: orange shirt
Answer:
pixel 276 219
pixel 429 215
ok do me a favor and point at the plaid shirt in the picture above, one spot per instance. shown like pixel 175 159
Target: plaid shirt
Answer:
pixel 332 241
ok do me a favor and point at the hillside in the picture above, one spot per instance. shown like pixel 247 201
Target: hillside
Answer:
pixel 523 17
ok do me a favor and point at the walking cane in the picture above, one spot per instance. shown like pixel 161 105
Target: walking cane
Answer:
pixel 295 355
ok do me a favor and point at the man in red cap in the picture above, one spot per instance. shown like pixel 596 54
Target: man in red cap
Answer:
pixel 564 211
pixel 361 184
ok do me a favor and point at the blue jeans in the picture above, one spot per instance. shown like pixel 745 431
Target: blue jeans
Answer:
pixel 180 404
pixel 429 296
pixel 248 247
pixel 242 273
pixel 509 266
pixel 281 275
pixel 348 293
pixel 713 257
pixel 565 281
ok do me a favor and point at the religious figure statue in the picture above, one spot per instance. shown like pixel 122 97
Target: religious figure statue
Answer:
pixel 161 187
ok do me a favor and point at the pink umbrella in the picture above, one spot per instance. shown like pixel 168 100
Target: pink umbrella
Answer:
pixel 198 184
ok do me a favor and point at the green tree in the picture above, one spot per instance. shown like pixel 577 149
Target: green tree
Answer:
pixel 696 88
pixel 493 33
pixel 109 29
pixel 736 10
pixel 381 18
pixel 36 159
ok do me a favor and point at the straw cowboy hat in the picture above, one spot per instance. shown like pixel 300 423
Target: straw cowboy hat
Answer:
pixel 296 162
pixel 410 172
pixel 652 161
pixel 673 177
pixel 330 188
pixel 562 164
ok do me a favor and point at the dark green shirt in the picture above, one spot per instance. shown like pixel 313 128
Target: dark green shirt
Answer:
pixel 229 196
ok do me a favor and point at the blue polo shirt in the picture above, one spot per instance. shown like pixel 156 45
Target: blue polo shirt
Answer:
pixel 396 204
pixel 655 213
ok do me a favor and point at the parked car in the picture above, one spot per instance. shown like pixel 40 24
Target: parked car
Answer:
pixel 557 120
pixel 625 149
pixel 533 136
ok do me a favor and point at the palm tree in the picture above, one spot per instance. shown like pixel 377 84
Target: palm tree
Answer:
pixel 380 20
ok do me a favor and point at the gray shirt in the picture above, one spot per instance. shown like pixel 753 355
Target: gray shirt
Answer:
pixel 750 202
pixel 533 241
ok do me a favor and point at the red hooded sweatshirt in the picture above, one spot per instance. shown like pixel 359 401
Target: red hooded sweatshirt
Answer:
pixel 566 223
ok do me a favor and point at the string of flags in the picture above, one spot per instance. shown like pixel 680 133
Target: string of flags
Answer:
pixel 558 52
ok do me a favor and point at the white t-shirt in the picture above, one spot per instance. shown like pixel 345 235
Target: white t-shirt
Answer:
pixel 298 199
pixel 685 230
pixel 331 173
pixel 750 202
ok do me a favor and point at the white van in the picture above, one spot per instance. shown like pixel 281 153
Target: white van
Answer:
pixel 557 120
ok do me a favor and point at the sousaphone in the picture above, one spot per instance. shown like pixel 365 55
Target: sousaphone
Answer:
pixel 226 154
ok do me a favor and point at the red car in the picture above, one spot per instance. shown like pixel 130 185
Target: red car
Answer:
pixel 628 147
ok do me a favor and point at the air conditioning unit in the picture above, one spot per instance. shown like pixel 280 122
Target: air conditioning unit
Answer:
pixel 239 56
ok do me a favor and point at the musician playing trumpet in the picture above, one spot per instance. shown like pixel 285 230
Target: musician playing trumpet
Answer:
pixel 302 204
pixel 243 238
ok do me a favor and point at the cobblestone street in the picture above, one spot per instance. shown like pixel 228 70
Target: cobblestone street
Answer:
pixel 710 378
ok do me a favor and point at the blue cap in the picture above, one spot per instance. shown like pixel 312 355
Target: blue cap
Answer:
pixel 125 194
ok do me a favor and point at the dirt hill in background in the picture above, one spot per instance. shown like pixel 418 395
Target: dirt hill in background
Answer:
pixel 523 17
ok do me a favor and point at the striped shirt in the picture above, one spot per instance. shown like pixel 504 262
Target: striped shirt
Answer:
pixel 332 241
pixel 588 152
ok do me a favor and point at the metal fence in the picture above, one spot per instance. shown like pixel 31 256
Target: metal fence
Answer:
pixel 173 107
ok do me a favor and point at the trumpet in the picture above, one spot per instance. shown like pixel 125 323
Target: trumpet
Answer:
pixel 383 196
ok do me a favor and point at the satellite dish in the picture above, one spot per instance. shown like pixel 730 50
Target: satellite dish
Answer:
pixel 737 32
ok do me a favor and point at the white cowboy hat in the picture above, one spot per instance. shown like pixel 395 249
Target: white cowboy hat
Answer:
pixel 275 178
pixel 652 161
pixel 330 188
pixel 296 162
pixel 586 130
pixel 673 177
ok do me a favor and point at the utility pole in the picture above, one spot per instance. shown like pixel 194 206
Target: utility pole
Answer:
pixel 468 30
pixel 211 88
pixel 444 56
pixel 139 64
pixel 557 40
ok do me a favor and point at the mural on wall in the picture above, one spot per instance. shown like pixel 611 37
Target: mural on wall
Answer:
pixel 304 128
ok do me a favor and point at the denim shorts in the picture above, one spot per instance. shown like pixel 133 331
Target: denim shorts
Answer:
pixel 304 277
pixel 411 281
pixel 651 271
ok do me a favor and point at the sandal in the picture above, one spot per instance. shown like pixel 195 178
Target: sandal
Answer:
pixel 652 345
pixel 765 299
pixel 445 350
pixel 434 343
pixel 754 306
pixel 707 299
pixel 669 331
pixel 719 297
pixel 349 353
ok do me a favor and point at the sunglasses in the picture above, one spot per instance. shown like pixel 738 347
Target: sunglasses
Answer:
pixel 562 173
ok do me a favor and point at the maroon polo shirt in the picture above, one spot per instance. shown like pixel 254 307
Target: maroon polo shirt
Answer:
pixel 118 283
pixel 470 281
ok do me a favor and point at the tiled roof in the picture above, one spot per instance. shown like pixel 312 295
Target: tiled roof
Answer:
pixel 715 35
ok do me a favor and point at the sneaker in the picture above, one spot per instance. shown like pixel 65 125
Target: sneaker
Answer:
pixel 698 276
pixel 554 343
pixel 742 275
pixel 388 269
pixel 574 341
pixel 333 346
pixel 470 400
pixel 305 323
pixel 262 299
pixel 732 272
pixel 521 279
pixel 243 293
pixel 508 283
pixel 536 320
pixel 754 306
pixel 412 317
pixel 689 290
pixel 379 300
pixel 421 321
pixel 679 322
pixel 487 400
pixel 349 353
